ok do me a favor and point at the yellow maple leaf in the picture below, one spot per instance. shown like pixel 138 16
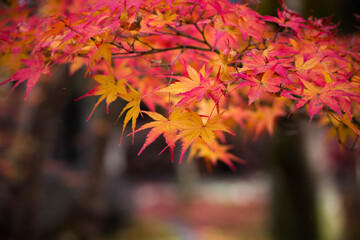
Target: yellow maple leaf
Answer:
pixel 103 50
pixel 344 119
pixel 194 128
pixel 343 128
pixel 108 89
pixel 133 106
pixel 220 153
pixel 167 126
pixel 264 118
pixel 185 84
pixel 309 64
pixel 225 58
pixel 160 20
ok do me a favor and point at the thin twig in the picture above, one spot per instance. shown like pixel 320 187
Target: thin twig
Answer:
pixel 155 50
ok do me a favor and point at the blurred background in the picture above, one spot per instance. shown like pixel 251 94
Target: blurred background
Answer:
pixel 67 179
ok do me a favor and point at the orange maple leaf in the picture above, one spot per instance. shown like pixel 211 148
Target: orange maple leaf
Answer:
pixel 264 118
pixel 185 84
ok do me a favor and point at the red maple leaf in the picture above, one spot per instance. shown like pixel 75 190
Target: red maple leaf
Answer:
pixel 320 97
pixel 32 73
pixel 268 83
pixel 287 19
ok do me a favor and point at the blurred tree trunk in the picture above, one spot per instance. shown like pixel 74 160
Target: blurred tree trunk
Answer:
pixel 92 209
pixel 294 214
pixel 32 146
pixel 348 171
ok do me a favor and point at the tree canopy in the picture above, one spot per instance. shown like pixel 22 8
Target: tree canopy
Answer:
pixel 199 69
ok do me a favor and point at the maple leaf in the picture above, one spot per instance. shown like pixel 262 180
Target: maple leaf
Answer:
pixel 268 83
pixel 264 118
pixel 225 58
pixel 124 18
pixel 212 89
pixel 194 128
pixel 32 73
pixel 221 29
pixel 125 21
pixel 61 29
pixel 220 153
pixel 288 19
pixel 103 50
pixel 185 84
pixel 196 87
pixel 319 96
pixel 108 88
pixel 344 129
pixel 133 106
pixel 160 20
pixel 309 64
pixel 258 63
pixel 168 127
pixel 55 30
pixel 347 121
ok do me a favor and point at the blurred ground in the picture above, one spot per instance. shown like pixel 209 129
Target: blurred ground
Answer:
pixel 211 210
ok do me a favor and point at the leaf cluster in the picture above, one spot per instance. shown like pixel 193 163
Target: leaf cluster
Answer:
pixel 211 66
